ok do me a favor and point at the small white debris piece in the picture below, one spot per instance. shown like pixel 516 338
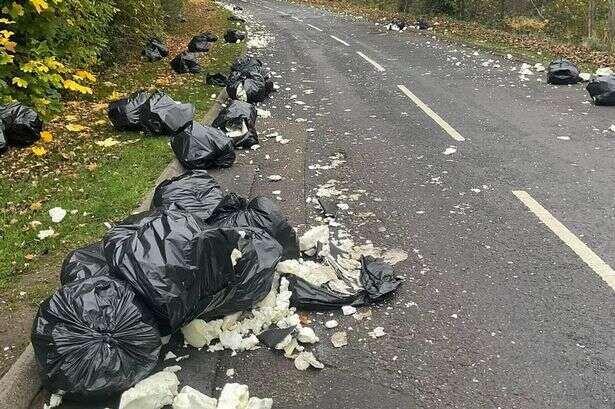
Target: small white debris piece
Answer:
pixel 509 56
pixel 306 335
pixel 604 71
pixel 263 113
pixel 281 140
pixel 55 400
pixel 331 324
pixel 612 128
pixel 539 67
pixel 274 178
pixel 564 138
pixel 255 147
pixel 241 93
pixel 450 150
pixel 339 339
pixel 151 393
pixel 165 340
pixel 309 241
pixel 43 234
pixel 455 316
pixel 585 76
pixel 257 403
pixel 181 358
pixel 233 396
pixel 276 192
pixel 235 255
pixel 343 206
pixel 377 332
pixel 173 368
pixel 230 372
pixel 190 398
pixel 170 355
pixel 199 333
pixel 306 359
pixel 348 309
pixel 57 214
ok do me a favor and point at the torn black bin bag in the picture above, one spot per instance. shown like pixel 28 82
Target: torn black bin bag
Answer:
pixel 216 79
pixel 85 262
pixel 260 212
pixel 199 43
pixel 194 191
pixel 233 36
pixel 22 124
pixel 602 90
pixel 185 63
pixel 273 336
pixel 562 72
pixel 423 24
pixel 377 279
pixel 125 113
pixel 238 120
pixel 155 50
pixel 161 115
pixel 248 86
pixel 182 269
pixel 203 147
pixel 94 338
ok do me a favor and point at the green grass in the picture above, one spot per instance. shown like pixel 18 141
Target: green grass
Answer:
pixel 112 189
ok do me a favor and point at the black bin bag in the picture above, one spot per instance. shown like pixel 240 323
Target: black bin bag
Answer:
pixel 22 124
pixel 238 120
pixel 217 79
pixel 182 269
pixel 260 212
pixel 185 63
pixel 250 87
pixel 155 50
pixel 125 113
pixel 562 72
pixel 195 191
pixel 203 147
pixel 161 115
pixel 3 142
pixel 94 338
pixel 199 43
pixel 377 279
pixel 85 262
pixel 602 90
pixel 233 36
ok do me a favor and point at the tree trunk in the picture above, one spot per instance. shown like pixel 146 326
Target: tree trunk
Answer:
pixel 611 23
pixel 591 15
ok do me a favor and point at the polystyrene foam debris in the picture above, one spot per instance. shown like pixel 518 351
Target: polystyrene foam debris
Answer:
pixel 55 400
pixel 306 359
pixel 306 335
pixel 233 396
pixel 339 339
pixel 170 355
pixel 314 273
pixel 43 234
pixel 331 324
pixel 309 241
pixel 151 393
pixel 604 71
pixel 348 309
pixel 173 368
pixel 377 332
pixel 57 214
pixel 190 398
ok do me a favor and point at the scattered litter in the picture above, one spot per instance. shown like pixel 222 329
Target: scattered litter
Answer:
pixel 306 359
pixel 331 324
pixel 238 120
pixel 173 368
pixel 450 150
pixel 170 355
pixel 262 113
pixel 55 400
pixel 339 339
pixel 106 143
pixel 306 335
pixel 348 310
pixel 604 71
pixel 189 398
pixel 43 234
pixel 230 372
pixel 57 214
pixel 377 332
pixel 274 178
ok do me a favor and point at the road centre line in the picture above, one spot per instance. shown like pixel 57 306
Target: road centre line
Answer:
pixel 314 27
pixel 437 119
pixel 581 249
pixel 297 19
pixel 340 40
pixel 378 67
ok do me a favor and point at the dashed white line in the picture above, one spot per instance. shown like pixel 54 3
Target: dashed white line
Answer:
pixel 340 40
pixel 314 27
pixel 378 67
pixel 297 19
pixel 437 119
pixel 585 253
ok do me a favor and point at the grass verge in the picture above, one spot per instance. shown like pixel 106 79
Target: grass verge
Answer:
pixel 95 184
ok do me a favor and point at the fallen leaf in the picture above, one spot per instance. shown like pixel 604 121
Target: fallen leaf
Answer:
pixel 75 127
pixel 39 150
pixel 91 167
pixel 108 142
pixel 46 136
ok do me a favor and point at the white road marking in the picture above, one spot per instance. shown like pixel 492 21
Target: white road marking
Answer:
pixel 585 253
pixel 378 67
pixel 280 12
pixel 314 27
pixel 340 40
pixel 297 19
pixel 443 124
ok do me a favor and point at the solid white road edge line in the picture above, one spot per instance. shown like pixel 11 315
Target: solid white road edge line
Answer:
pixel 585 253
pixel 443 124
pixel 378 67
pixel 340 40
pixel 314 27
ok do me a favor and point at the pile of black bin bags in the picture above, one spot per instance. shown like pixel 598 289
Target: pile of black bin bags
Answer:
pixel 152 273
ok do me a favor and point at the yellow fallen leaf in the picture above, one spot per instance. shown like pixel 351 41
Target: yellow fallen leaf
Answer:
pixel 29 257
pixel 91 166
pixel 46 136
pixel 100 122
pixel 116 95
pixel 39 5
pixel 36 205
pixel 108 142
pixel 76 127
pixel 39 150
pixel 85 75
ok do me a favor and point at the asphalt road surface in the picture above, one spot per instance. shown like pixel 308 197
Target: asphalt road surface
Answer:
pixel 507 301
